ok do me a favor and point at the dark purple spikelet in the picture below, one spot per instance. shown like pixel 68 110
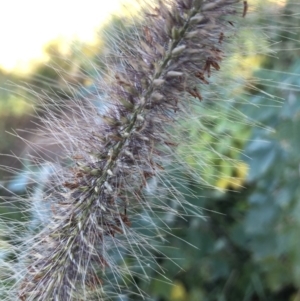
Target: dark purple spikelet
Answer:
pixel 165 61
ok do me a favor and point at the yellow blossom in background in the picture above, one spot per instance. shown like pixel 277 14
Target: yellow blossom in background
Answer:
pixel 240 171
pixel 178 292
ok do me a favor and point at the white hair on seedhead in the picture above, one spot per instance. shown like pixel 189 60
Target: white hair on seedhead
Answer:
pixel 100 211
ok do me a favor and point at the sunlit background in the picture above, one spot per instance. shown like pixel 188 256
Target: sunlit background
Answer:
pixel 37 39
pixel 27 26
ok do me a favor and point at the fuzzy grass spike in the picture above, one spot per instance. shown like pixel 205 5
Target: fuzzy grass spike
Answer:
pixel 155 76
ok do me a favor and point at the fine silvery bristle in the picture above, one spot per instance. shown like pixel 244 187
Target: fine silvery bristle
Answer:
pixel 115 154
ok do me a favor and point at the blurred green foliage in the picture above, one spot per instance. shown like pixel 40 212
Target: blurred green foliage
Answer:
pixel 250 250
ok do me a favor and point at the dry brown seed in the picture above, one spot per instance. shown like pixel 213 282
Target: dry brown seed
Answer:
pixel 210 6
pixel 122 81
pixel 148 35
pixel 95 172
pixel 110 121
pixel 70 185
pixel 175 33
pixel 201 76
pixel 157 97
pixel 194 92
pixel 128 105
pixel 207 68
pixel 192 34
pixel 109 188
pixel 160 49
pixel 151 15
pixel 197 18
pixel 245 8
pixel 178 50
pixel 221 38
pixel 129 154
pixel 168 26
pixel 174 74
pixel 158 82
pixel 146 48
pixel 215 65
pixel 140 118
